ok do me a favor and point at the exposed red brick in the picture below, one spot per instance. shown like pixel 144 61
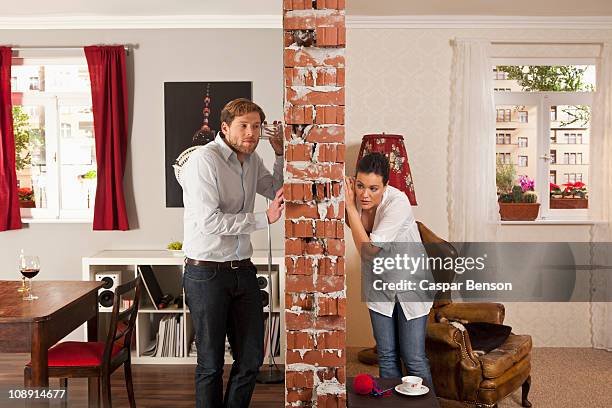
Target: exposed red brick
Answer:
pixel 314 227
pixel 304 301
pixel 312 20
pixel 317 358
pixel 330 323
pixel 299 379
pixel 298 191
pixel 298 152
pixel 307 96
pixel 331 153
pixel 314 248
pixel 327 267
pixel 299 77
pixel 331 340
pixel 300 340
pixel 299 115
pixel 312 57
pixel 340 76
pixel 335 247
pixel 296 210
pixel 304 395
pixel 325 134
pixel 316 171
pixel 329 229
pixel 335 212
pixel 299 283
pixel 327 307
pixel 329 283
pixel 299 321
pixel 329 115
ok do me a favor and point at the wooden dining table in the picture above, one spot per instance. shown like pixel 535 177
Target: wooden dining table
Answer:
pixel 35 326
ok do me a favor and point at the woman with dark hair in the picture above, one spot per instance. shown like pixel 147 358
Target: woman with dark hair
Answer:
pixel 378 215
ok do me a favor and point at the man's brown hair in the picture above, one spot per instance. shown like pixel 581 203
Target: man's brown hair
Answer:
pixel 239 107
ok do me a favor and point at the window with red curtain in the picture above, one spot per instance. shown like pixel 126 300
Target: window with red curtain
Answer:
pixel 110 110
pixel 9 204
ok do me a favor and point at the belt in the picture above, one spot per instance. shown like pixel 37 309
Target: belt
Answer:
pixel 226 264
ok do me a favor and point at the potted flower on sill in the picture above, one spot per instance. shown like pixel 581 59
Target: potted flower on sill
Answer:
pixel 521 203
pixel 26 197
pixel 573 196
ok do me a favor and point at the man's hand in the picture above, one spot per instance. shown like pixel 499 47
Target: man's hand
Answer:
pixel 275 210
pixel 276 137
pixel 349 192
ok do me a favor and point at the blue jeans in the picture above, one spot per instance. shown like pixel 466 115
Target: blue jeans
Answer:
pixel 225 301
pixel 397 340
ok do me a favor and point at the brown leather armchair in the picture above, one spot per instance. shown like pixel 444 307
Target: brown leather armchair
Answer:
pixel 461 377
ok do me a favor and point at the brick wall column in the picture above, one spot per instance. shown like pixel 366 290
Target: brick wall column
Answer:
pixel 315 293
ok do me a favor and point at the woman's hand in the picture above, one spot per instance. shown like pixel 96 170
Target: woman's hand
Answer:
pixel 349 192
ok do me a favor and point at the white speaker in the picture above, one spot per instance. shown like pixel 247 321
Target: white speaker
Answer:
pixel 106 294
pixel 264 288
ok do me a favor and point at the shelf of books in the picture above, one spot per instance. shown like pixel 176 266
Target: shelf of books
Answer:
pixel 164 330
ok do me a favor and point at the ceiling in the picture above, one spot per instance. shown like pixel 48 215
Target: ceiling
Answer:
pixel 59 8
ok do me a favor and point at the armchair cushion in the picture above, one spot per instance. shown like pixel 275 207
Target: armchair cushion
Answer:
pixel 487 336
pixel 505 356
pixel 473 312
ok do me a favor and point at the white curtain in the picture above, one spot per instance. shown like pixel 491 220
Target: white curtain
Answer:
pixel 600 201
pixel 472 200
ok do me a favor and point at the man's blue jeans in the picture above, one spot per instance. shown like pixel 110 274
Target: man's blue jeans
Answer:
pixel 397 340
pixel 224 301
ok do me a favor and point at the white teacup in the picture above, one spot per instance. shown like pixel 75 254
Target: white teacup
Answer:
pixel 412 382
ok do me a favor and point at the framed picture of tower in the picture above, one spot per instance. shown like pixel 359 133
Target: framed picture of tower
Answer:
pixel 191 117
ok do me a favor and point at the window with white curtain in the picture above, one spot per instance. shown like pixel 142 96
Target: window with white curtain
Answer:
pixel 551 120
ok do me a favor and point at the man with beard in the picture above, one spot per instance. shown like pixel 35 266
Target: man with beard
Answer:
pixel 220 181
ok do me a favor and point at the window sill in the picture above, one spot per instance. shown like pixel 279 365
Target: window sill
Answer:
pixel 56 221
pixel 553 222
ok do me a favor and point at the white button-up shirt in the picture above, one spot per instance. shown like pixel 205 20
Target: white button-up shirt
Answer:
pixel 219 198
pixel 394 222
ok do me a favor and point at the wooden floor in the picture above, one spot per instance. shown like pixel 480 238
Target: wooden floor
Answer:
pixel 154 385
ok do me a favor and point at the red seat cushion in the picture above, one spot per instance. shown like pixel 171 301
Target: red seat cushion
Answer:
pixel 78 354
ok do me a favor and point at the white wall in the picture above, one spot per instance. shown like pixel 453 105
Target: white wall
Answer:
pixel 162 55
pixel 398 81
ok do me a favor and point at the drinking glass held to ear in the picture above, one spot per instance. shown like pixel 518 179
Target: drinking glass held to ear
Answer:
pixel 271 130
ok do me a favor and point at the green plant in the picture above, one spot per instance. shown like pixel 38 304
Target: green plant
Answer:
pixel 21 130
pixel 504 177
pixel 519 193
pixel 555 78
pixel 91 174
pixel 530 197
pixel 175 246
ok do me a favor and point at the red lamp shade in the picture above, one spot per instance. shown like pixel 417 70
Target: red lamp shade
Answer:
pixel 393 147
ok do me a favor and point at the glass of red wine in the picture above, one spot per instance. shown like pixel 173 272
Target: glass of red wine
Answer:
pixel 29 266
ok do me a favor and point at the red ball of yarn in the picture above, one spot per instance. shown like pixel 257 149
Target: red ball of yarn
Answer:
pixel 363 384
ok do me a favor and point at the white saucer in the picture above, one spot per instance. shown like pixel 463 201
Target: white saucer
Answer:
pixel 402 390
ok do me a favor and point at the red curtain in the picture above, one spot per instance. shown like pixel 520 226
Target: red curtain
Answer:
pixel 9 202
pixel 109 96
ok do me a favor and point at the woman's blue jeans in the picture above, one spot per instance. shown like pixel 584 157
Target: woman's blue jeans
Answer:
pixel 397 340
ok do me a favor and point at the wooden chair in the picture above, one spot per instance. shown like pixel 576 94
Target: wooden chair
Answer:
pixel 98 360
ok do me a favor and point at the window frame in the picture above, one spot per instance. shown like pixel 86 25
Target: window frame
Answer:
pixel 544 101
pixel 52 101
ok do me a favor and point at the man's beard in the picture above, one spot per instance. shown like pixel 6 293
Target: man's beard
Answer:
pixel 246 149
